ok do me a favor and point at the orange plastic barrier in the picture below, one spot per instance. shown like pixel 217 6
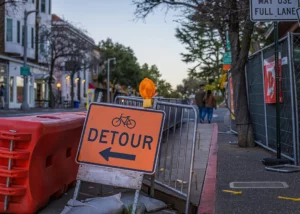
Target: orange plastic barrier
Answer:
pixel 37 159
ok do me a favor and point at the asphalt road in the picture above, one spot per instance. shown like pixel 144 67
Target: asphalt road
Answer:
pixel 19 113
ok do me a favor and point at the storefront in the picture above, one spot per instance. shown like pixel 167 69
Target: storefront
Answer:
pixel 13 84
pixel 4 82
pixel 41 90
pixel 80 88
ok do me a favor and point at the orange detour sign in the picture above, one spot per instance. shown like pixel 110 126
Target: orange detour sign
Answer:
pixel 121 137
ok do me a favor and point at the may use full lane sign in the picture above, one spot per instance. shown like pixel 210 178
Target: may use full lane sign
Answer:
pixel 273 10
pixel 120 137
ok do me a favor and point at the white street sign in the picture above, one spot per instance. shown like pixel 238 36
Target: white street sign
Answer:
pixel 273 10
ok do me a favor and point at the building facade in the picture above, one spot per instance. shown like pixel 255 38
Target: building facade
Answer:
pixel 12 51
pixel 64 73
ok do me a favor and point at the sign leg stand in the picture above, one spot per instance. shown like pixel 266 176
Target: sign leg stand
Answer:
pixel 152 185
pixel 76 192
pixel 135 202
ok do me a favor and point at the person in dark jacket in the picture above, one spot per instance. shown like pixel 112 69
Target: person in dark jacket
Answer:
pixel 199 98
pixel 2 93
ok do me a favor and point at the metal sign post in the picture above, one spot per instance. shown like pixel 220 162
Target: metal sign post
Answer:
pixel 278 88
pixel 118 146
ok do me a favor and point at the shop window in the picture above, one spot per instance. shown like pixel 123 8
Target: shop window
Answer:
pixel 50 7
pixel 19 32
pixel 11 89
pixel 43 91
pixel 42 45
pixel 23 35
pixel 3 78
pixel 9 30
pixel 40 90
pixel 84 89
pixel 2 81
pixel 43 6
pixel 32 38
pixel 20 83
pixel 35 91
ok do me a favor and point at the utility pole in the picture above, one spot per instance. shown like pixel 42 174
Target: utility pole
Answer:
pixel 25 104
pixel 108 77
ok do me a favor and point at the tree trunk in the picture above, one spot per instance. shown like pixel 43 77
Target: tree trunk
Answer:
pixel 78 86
pixel 243 120
pixel 51 104
pixel 239 53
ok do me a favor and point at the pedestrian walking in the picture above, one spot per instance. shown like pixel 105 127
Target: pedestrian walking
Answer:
pixel 129 91
pixel 2 90
pixel 199 98
pixel 210 104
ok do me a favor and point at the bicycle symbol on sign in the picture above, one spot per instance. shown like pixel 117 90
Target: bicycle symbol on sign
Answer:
pixel 125 120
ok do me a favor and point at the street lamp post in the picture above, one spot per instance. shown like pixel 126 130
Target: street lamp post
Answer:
pixel 25 104
pixel 58 85
pixel 108 77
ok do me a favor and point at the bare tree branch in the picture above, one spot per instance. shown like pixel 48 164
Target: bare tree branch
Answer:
pixel 65 48
pixel 12 4
pixel 218 14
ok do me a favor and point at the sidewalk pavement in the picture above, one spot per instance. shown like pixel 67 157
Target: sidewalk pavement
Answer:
pixel 35 111
pixel 237 164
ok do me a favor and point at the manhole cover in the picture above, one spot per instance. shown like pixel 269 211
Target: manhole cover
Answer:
pixel 240 185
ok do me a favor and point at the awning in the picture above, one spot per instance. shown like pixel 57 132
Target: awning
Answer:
pixel 42 76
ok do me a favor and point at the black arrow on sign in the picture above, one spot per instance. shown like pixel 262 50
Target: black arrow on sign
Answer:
pixel 106 154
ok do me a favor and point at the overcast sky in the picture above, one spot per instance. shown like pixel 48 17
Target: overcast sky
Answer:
pixel 153 41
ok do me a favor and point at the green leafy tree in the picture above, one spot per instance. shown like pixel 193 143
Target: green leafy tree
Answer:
pixel 127 70
pixel 151 72
pixel 189 85
pixel 258 37
pixel 164 88
pixel 204 48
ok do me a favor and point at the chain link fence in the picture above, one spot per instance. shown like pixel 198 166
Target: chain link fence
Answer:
pixel 263 114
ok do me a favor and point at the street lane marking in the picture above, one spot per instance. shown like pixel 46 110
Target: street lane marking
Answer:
pixel 287 198
pixel 233 192
pixel 258 185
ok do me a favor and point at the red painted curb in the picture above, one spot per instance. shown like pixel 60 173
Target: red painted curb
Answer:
pixel 207 200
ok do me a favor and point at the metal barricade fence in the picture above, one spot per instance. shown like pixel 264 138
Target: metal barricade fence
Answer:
pixel 294 61
pixel 262 112
pixel 129 101
pixel 175 167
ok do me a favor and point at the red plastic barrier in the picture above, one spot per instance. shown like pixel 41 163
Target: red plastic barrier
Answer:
pixel 42 151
